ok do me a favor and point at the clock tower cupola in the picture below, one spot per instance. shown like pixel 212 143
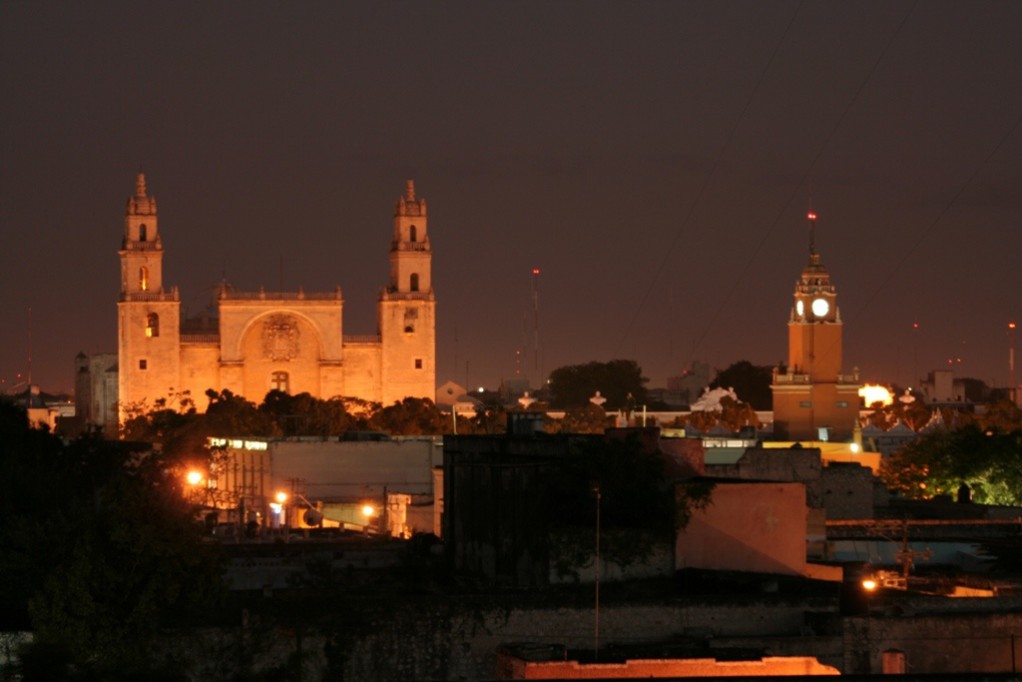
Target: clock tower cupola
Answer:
pixel 813 397
pixel 814 328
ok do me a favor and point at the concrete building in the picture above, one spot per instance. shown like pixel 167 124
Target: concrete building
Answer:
pixel 96 392
pixel 336 478
pixel 749 526
pixel 813 399
pixel 259 341
pixel 685 388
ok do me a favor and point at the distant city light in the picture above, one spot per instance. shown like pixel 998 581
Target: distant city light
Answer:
pixel 482 390
pixel 871 393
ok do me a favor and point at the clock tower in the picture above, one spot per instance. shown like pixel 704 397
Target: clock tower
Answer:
pixel 813 400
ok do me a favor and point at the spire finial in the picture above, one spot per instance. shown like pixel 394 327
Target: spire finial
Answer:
pixel 410 190
pixel 140 190
pixel 811 216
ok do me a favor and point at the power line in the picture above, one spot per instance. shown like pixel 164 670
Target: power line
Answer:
pixel 802 181
pixel 706 182
pixel 929 229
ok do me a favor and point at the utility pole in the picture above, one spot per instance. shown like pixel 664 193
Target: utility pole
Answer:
pixel 1013 386
pixel 596 564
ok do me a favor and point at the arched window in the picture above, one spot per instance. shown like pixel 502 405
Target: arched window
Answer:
pixel 152 325
pixel 143 279
pixel 280 381
pixel 413 283
pixel 142 232
pixel 412 234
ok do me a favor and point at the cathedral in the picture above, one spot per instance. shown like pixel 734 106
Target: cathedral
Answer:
pixel 260 341
pixel 813 399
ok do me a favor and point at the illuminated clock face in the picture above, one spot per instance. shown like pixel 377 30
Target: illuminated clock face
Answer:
pixel 800 307
pixel 820 307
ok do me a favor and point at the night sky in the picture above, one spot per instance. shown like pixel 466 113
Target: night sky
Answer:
pixel 654 159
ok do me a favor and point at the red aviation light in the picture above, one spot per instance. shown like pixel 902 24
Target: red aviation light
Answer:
pixel 811 215
pixel 535 271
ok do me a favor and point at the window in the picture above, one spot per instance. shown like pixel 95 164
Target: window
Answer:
pixel 142 232
pixel 414 282
pixel 412 234
pixel 280 381
pixel 152 325
pixel 142 364
pixel 418 363
pixel 143 279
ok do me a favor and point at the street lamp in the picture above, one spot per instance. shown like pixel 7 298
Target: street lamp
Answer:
pixel 368 511
pixel 279 519
pixel 198 487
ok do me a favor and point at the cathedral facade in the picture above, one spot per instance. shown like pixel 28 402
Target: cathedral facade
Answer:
pixel 260 341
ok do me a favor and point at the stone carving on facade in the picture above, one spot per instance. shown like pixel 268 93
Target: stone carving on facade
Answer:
pixel 280 338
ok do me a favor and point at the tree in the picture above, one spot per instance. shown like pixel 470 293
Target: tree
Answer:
pixel 750 382
pixel 305 415
pixel 988 460
pixel 588 419
pixel 410 417
pixel 639 508
pixel 619 381
pixel 99 548
pixel 914 414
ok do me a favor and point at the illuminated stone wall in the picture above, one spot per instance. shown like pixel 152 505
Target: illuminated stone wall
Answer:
pixel 756 527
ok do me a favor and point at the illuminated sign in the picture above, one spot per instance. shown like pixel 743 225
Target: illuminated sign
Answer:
pixel 237 444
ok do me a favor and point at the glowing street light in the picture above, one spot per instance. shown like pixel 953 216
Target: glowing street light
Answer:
pixel 368 511
pixel 869 585
pixel 194 477
pixel 281 497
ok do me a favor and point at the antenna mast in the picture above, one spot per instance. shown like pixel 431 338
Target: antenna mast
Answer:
pixel 535 322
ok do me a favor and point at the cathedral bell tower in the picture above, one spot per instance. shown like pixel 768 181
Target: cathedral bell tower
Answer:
pixel 148 317
pixel 407 307
pixel 812 399
pixel 141 249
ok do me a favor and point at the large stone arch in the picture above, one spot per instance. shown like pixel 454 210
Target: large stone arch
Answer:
pixel 278 341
